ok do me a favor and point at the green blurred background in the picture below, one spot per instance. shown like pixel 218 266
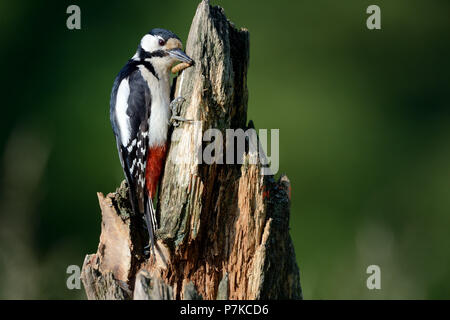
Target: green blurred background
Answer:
pixel 364 131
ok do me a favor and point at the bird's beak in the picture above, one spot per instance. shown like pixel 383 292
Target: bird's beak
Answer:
pixel 181 56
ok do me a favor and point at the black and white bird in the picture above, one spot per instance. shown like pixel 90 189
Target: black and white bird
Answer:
pixel 140 112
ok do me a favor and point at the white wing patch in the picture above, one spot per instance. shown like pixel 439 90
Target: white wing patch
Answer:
pixel 123 120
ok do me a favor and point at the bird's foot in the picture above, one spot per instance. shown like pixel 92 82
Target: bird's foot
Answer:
pixel 175 106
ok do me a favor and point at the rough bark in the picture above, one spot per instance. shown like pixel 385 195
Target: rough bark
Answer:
pixel 223 229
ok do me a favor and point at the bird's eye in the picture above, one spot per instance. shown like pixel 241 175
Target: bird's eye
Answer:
pixel 161 42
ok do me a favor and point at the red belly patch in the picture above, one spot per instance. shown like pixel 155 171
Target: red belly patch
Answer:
pixel 155 162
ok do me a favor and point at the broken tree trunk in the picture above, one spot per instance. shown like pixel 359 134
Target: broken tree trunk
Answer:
pixel 223 228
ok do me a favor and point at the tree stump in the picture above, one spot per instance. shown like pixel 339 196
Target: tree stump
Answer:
pixel 223 228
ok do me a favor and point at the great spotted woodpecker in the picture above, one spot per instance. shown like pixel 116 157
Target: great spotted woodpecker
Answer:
pixel 140 111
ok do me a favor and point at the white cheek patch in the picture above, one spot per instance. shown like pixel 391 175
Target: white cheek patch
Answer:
pixel 149 43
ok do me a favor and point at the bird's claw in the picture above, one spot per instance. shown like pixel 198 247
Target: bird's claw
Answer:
pixel 175 107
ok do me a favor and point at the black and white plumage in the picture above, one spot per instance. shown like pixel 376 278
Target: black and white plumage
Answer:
pixel 140 113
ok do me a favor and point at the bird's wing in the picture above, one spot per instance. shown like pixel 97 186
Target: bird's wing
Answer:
pixel 130 111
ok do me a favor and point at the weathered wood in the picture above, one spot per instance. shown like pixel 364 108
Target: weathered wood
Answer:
pixel 151 288
pixel 223 229
pixel 101 285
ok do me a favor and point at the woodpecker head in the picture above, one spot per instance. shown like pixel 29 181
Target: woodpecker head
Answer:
pixel 163 48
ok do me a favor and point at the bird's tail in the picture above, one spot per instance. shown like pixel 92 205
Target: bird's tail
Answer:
pixel 150 221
